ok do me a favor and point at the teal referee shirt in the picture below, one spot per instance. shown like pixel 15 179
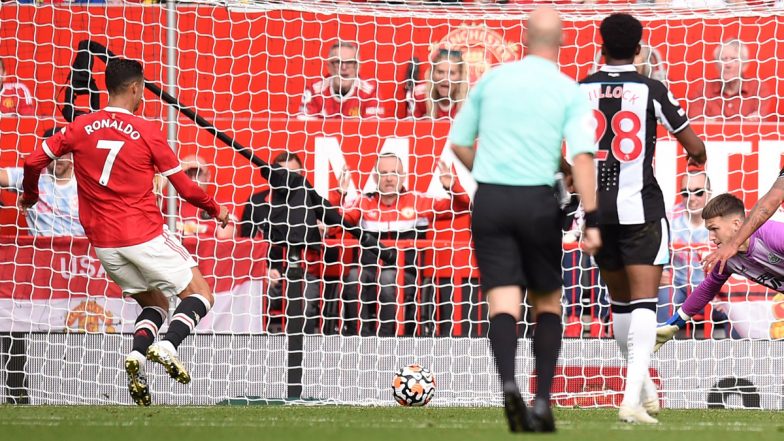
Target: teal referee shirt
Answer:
pixel 522 112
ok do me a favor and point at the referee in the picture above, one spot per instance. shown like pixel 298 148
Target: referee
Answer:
pixel 521 112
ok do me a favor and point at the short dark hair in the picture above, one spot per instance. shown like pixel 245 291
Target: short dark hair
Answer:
pixel 621 34
pixel 722 205
pixel 121 72
pixel 286 157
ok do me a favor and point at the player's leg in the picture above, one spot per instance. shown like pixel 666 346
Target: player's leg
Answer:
pixel 154 306
pixel 643 282
pixel 618 286
pixel 540 240
pixel 167 266
pixel 500 265
pixel 546 346
pixel 196 302
pixel 645 249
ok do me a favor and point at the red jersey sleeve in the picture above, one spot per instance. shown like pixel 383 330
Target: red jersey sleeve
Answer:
pixel 169 166
pixel 457 205
pixel 25 105
pixel 418 108
pixel 162 156
pixel 312 102
pixel 50 149
pixel 351 212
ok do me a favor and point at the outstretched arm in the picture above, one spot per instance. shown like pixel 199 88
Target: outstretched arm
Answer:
pixel 696 302
pixel 762 211
pixel 33 166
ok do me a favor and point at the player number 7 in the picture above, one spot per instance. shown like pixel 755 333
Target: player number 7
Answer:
pixel 114 148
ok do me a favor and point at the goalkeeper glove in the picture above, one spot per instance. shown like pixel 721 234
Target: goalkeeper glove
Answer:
pixel 667 331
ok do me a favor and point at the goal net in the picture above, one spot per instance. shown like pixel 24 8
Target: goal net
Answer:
pixel 324 331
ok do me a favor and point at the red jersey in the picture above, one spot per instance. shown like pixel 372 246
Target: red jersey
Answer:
pixel 753 100
pixel 412 210
pixel 321 101
pixel 418 107
pixel 15 98
pixel 115 157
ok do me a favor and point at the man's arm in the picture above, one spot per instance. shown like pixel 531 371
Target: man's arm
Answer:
pixel 169 166
pixel 694 147
pixel 33 166
pixel 192 193
pixel 762 211
pixel 458 204
pixel 709 288
pixel 465 154
pixel 465 127
pixel 49 150
pixel 4 180
pixel 247 228
pixel 584 179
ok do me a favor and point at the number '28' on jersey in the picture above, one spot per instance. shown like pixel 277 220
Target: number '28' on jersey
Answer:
pixel 627 107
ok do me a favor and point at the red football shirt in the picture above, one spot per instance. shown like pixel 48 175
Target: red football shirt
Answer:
pixel 418 109
pixel 15 98
pixel 115 158
pixel 321 101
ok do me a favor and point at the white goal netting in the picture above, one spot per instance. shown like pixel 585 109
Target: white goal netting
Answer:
pixel 264 74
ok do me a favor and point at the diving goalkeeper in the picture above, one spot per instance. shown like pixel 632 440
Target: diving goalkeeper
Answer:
pixel 760 258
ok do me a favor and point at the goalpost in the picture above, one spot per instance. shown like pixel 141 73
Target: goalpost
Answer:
pixel 244 66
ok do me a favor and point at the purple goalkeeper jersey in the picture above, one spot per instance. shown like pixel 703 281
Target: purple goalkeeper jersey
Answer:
pixel 763 263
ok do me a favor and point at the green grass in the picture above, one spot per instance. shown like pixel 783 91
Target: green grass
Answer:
pixel 323 423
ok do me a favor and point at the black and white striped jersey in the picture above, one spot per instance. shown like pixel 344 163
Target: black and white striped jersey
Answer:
pixel 626 107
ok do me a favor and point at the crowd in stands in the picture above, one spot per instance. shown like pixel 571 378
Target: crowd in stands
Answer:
pixel 369 289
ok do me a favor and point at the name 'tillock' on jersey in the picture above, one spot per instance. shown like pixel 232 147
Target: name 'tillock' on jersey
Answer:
pixel 627 106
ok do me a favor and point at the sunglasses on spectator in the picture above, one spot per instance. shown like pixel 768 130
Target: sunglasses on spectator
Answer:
pixel 337 62
pixel 699 192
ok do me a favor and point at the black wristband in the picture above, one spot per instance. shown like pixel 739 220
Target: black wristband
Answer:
pixel 591 219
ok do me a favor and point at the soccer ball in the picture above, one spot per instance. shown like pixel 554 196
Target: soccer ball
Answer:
pixel 413 385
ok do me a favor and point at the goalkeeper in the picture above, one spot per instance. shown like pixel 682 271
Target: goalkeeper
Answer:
pixel 760 258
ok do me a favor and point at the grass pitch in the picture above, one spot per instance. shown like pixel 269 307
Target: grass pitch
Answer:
pixel 324 423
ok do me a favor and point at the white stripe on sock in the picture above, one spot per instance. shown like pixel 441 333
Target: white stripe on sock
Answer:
pixel 203 300
pixel 185 319
pixel 164 313
pixel 147 324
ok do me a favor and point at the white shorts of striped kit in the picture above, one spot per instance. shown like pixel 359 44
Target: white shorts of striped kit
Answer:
pixel 161 263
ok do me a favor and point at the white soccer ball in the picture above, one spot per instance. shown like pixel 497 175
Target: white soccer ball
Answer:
pixel 413 385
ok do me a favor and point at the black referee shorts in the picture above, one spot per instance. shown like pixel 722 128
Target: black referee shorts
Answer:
pixel 517 237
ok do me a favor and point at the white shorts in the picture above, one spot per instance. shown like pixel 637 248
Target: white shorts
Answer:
pixel 161 263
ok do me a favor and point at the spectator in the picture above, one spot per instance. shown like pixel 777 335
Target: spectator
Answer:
pixel 194 221
pixel 342 93
pixel 15 97
pixel 256 223
pixel 393 213
pixel 732 95
pixel 57 211
pixel 649 63
pixel 689 235
pixel 444 91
